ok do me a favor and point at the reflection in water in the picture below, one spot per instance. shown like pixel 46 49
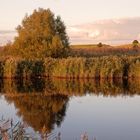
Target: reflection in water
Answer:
pixel 43 102
pixel 39 111
pixel 70 87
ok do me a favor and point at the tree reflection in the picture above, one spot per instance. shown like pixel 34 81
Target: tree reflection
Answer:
pixel 39 110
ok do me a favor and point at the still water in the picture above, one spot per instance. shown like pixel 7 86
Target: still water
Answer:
pixel 104 110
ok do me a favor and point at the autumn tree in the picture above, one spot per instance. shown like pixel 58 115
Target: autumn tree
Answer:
pixel 135 43
pixel 42 35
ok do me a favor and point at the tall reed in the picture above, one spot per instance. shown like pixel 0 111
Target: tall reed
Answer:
pixel 107 67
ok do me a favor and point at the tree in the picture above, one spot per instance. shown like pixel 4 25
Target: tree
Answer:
pixel 61 31
pixel 100 44
pixel 135 43
pixel 57 47
pixel 41 35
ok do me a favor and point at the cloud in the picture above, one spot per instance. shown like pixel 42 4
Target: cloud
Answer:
pixel 113 31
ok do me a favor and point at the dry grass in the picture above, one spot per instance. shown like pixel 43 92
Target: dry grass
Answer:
pixel 94 50
pixel 93 46
pixel 17 131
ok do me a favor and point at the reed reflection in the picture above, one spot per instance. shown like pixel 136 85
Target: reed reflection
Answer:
pixel 114 87
pixel 43 102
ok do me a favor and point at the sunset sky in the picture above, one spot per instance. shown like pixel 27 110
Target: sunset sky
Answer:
pixel 87 21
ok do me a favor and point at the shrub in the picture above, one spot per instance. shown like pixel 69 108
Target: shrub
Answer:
pixel 100 45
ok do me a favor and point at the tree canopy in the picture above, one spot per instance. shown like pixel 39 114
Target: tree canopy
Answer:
pixel 42 35
pixel 135 43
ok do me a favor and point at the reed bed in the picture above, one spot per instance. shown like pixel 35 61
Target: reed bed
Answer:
pixel 107 67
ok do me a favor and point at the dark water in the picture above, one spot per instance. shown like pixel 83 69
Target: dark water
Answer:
pixel 105 110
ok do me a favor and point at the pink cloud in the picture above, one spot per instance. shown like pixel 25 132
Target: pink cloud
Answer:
pixel 113 31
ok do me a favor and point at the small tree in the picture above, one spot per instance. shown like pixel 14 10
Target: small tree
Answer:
pixel 100 44
pixel 135 43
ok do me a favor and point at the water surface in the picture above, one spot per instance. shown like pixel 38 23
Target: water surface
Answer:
pixel 105 110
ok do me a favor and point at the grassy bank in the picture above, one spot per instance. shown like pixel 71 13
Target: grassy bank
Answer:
pixel 107 67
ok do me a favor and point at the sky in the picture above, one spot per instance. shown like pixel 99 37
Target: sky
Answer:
pixel 100 14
